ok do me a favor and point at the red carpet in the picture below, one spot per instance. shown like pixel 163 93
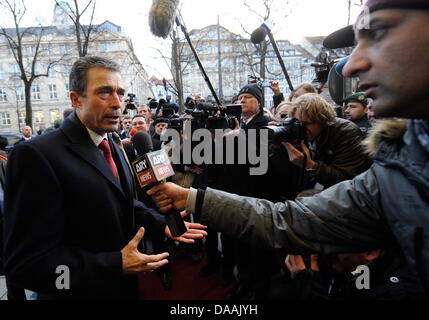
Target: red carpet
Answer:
pixel 186 283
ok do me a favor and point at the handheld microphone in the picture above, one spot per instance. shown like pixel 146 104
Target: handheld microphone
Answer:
pixel 153 168
pixel 133 132
pixel 161 17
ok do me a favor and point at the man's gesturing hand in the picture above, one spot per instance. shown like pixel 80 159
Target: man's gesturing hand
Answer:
pixel 134 261
pixel 195 231
pixel 169 195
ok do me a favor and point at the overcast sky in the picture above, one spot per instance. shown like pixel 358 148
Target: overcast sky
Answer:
pixel 300 18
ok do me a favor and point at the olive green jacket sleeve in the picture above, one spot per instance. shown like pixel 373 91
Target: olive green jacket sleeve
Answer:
pixel 343 218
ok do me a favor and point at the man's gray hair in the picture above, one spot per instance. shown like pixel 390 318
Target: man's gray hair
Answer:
pixel 78 74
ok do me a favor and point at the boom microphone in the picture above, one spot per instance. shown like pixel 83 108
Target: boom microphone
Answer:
pixel 161 17
pixel 258 35
pixel 341 38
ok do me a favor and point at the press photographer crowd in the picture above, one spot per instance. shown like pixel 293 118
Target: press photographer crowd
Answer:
pixel 306 200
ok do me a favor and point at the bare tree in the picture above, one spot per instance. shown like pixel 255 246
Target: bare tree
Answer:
pixel 28 62
pixel 82 32
pixel 261 48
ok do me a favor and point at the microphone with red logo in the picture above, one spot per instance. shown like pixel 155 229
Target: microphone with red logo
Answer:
pixel 153 167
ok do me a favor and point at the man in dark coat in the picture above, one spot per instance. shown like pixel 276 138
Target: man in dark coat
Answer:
pixel 70 213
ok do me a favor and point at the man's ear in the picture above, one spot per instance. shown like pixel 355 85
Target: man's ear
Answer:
pixel 75 99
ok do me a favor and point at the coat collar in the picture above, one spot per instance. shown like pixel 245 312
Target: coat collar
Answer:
pixel 82 145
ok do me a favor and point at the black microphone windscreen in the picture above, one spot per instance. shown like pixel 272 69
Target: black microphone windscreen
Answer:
pixel 142 142
pixel 341 38
pixel 258 35
pixel 161 17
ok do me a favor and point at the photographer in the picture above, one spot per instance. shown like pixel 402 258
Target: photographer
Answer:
pixel 334 152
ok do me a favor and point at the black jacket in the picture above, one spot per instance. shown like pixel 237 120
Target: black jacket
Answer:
pixel 390 278
pixel 364 124
pixel 64 207
pixel 339 153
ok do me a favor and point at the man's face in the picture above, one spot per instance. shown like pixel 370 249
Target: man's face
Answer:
pixel 27 131
pixel 391 60
pixel 160 127
pixel 103 103
pixel 355 110
pixel 249 104
pixel 313 129
pixel 140 124
pixel 144 110
pixel 126 124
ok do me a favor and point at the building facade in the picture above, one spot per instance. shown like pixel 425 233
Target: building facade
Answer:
pixel 50 95
pixel 238 59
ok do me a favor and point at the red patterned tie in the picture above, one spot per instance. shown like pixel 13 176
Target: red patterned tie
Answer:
pixel 105 147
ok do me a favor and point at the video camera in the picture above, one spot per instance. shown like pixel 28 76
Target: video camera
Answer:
pixel 130 103
pixel 209 116
pixel 322 67
pixel 259 81
pixel 290 130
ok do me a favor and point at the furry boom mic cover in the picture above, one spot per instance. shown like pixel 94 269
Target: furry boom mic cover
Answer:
pixel 161 17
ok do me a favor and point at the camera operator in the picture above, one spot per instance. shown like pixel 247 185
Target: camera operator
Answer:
pixel 357 111
pixel 334 151
pixel 384 206
pixel 254 264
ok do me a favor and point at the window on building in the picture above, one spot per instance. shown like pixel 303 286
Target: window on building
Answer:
pixel 64 49
pixel 19 94
pixel 16 72
pixel 5 118
pixel 22 116
pixel 212 35
pixel 35 93
pixel 55 115
pixel 51 71
pixel 53 92
pixel 3 95
pixel 108 46
pixel 67 70
pixel 39 117
pixel 30 50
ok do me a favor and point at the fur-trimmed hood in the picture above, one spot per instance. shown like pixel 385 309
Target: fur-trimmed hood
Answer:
pixel 392 130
